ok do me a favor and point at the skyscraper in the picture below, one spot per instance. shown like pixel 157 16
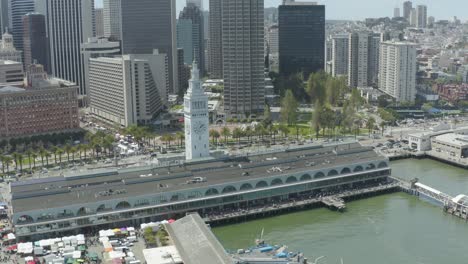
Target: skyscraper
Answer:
pixel 4 16
pixel 147 25
pixel 340 55
pixel 363 59
pixel 301 28
pixel 413 20
pixel 243 61
pixel 421 13
pixel 111 15
pixel 396 12
pixel 99 22
pixel 36 50
pixel 215 41
pixel 19 8
pixel 407 6
pixel 197 3
pixel 398 70
pixel 66 34
pixel 191 16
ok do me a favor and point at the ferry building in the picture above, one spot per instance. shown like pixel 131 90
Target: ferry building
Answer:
pixel 114 198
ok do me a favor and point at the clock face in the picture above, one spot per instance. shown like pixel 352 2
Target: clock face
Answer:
pixel 199 128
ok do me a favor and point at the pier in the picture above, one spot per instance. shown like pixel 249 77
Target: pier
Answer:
pixel 336 201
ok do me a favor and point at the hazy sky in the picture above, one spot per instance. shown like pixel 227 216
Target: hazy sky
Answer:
pixel 360 9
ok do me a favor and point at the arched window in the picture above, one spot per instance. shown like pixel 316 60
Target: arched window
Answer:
pixel 319 175
pixel 345 171
pixel 332 173
pixel 211 191
pixel 84 211
pixel 177 197
pixel 291 179
pixel 194 194
pixel 371 166
pixel 261 184
pixel 276 181
pixel 382 165
pixel 246 186
pixel 358 168
pixel 122 205
pixel 229 189
pixel 306 177
pixel 25 219
pixel 101 208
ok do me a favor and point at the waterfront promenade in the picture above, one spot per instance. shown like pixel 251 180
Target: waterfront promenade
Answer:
pixel 298 204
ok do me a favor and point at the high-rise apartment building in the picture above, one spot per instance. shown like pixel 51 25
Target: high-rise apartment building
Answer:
pixel 111 15
pixel 396 12
pixel 413 20
pixel 407 6
pixel 301 28
pixel 36 49
pixel 215 41
pixel 8 50
pixel 99 22
pixel 243 61
pixel 124 90
pixel 147 25
pixel 193 44
pixel 421 13
pixel 398 70
pixel 340 55
pixel 65 36
pixel 19 8
pixel 363 59
pixel 272 37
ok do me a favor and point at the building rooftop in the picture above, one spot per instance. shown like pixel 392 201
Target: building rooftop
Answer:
pixel 196 243
pixel 9 62
pixel 11 89
pixel 453 139
pixel 162 255
pixel 102 185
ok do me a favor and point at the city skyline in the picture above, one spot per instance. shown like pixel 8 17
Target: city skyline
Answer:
pixel 352 10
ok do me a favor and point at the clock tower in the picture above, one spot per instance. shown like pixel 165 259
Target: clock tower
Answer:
pixel 196 119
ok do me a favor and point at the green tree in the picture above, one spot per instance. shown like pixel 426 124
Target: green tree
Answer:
pixel 237 133
pixel 267 121
pixel 42 153
pixel 29 153
pixel 370 125
pixel 68 150
pixel 226 133
pixel 316 87
pixel 181 137
pixel 214 134
pixel 289 107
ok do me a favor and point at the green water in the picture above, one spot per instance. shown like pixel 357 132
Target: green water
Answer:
pixel 395 228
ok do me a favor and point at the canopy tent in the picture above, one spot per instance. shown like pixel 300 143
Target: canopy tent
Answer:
pixel 76 254
pixel 13 247
pixel 11 236
pixel 25 248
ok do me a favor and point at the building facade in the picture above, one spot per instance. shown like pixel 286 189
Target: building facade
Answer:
pixel 11 72
pixel 363 62
pixel 407 6
pixel 184 39
pixel 68 23
pixel 50 106
pixel 159 31
pixel 4 16
pixel 19 8
pixel 36 50
pixel 8 50
pixel 421 14
pixel 124 90
pixel 340 55
pixel 95 48
pixel 197 139
pixel 112 19
pixel 396 12
pixel 216 40
pixel 192 16
pixel 135 199
pixel 398 70
pixel 243 56
pixel 301 28
pixel 99 21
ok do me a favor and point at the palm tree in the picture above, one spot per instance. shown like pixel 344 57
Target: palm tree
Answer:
pixel 73 150
pixel 237 133
pixel 226 132
pixel 34 157
pixel 42 153
pixel 47 155
pixel 6 161
pixel 15 158
pixel 181 137
pixel 68 149
pixel 55 151
pixel 3 160
pixel 214 134
pixel 85 148
pixel 29 153
pixel 59 153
